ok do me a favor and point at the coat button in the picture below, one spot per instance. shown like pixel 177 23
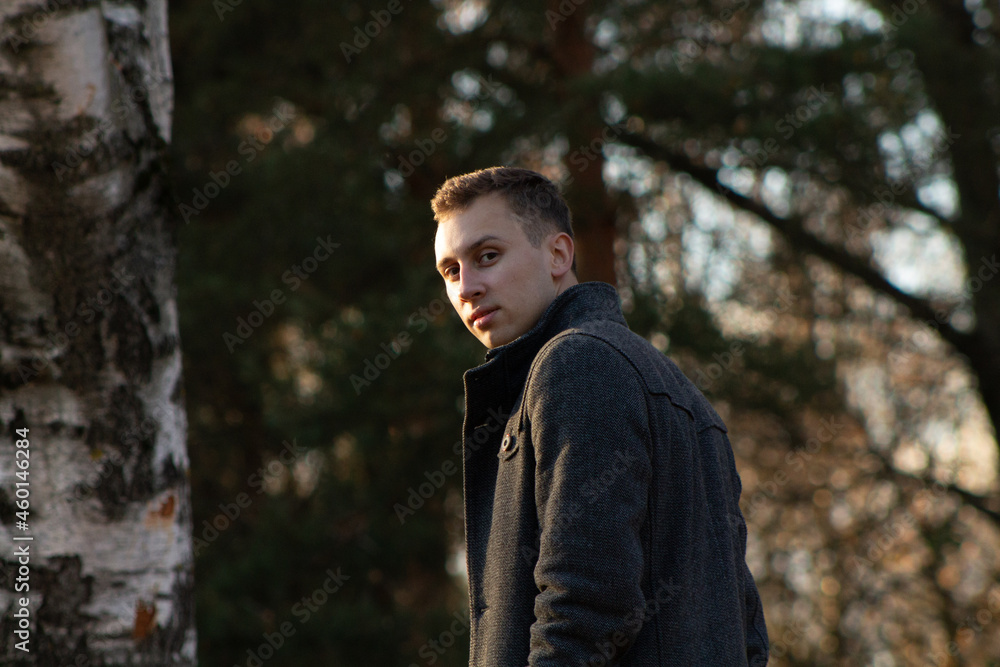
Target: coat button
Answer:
pixel 508 442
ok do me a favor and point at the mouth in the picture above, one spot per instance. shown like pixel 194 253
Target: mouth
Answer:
pixel 482 319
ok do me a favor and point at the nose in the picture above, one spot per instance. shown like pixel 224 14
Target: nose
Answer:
pixel 469 285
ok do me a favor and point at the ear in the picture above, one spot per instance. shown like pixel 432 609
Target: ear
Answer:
pixel 561 254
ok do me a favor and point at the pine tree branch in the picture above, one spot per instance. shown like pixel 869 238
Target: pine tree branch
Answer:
pixel 981 503
pixel 792 229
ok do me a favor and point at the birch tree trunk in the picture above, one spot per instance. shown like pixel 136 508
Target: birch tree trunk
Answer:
pixel 90 363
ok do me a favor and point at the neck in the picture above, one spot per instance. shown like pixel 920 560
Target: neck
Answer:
pixel 568 279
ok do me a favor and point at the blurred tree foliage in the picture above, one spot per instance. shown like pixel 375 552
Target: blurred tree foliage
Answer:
pixel 797 201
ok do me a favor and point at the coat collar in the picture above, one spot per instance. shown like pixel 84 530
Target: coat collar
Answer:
pixel 508 365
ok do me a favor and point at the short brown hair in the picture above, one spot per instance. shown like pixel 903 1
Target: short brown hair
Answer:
pixel 532 198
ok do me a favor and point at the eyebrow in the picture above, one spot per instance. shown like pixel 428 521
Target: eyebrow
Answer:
pixel 469 248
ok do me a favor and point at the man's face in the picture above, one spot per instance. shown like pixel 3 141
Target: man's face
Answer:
pixel 498 283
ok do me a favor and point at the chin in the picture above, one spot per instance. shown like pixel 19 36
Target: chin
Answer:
pixel 490 340
pixel 497 341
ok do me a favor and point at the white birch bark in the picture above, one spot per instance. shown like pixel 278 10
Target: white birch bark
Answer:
pixel 90 360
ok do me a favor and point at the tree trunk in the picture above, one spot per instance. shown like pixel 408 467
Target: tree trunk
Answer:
pixel 90 363
pixel 593 210
pixel 969 111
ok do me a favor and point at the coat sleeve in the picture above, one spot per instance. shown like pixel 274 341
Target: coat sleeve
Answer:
pixel 588 424
pixel 756 632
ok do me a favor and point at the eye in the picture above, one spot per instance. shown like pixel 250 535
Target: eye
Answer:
pixel 488 256
pixel 450 271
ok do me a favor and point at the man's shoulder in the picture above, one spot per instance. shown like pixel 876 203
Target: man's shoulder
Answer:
pixel 604 339
pixel 602 345
pixel 599 347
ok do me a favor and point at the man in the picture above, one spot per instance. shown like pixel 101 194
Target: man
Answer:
pixel 601 494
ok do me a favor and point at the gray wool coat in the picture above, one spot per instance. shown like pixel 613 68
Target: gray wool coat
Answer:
pixel 601 503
